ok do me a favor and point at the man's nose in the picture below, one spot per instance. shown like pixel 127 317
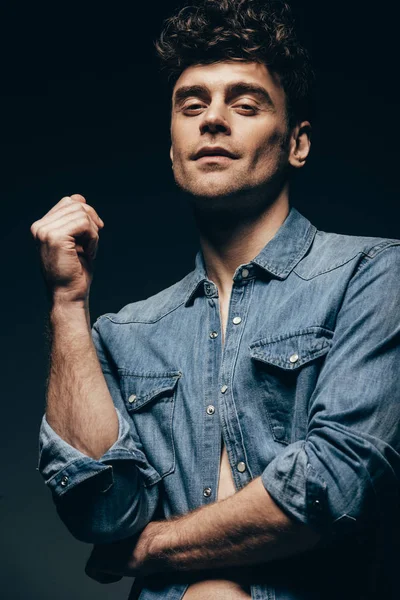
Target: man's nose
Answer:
pixel 215 121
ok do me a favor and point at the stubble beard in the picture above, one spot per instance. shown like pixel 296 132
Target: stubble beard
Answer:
pixel 232 200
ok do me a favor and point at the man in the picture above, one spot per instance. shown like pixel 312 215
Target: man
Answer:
pixel 235 435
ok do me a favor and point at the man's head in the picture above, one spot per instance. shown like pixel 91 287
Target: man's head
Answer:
pixel 241 87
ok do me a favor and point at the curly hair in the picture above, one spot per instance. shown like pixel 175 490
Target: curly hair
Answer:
pixel 211 31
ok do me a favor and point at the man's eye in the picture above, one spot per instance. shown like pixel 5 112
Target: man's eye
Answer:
pixel 192 107
pixel 247 108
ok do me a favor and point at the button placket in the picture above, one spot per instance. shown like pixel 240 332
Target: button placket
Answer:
pixel 228 413
pixel 211 431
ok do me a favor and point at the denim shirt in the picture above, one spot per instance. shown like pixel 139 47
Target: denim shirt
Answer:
pixel 304 392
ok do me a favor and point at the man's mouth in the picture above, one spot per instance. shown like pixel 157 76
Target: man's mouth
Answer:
pixel 214 152
pixel 214 159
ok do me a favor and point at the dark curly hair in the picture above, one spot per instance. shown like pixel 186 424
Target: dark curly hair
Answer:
pixel 210 31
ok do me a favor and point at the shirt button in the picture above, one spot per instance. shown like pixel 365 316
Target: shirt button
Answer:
pixel 224 388
pixel 241 466
pixel 317 504
pixel 245 272
pixel 64 481
pixel 207 492
pixel 294 358
pixel 132 398
pixel 210 410
pixel 208 288
pixel 213 334
pixel 236 320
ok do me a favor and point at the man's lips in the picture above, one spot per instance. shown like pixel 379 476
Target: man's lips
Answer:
pixel 213 152
pixel 214 158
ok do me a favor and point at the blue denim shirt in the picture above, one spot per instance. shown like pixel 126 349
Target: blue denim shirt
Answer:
pixel 304 392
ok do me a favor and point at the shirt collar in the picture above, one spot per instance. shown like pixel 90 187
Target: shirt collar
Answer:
pixel 278 257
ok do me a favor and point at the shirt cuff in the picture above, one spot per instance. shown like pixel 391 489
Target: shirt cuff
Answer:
pixel 63 467
pixel 297 488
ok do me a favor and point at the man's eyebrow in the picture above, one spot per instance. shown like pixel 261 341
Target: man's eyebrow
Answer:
pixel 236 88
pixel 185 91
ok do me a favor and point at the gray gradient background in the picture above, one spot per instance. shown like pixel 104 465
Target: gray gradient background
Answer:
pixel 83 111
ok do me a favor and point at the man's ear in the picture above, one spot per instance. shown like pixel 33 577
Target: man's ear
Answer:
pixel 300 143
pixel 171 155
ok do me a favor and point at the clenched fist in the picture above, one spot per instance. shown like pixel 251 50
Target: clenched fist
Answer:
pixel 67 237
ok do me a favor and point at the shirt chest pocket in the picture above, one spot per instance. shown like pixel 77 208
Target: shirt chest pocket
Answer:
pixel 150 402
pixel 285 370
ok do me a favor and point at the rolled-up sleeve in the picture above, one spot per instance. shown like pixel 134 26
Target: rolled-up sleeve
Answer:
pixel 346 472
pixel 107 499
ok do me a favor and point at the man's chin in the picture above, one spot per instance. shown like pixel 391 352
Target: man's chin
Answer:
pixel 211 191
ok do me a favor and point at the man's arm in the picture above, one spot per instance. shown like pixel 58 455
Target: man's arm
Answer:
pixel 79 406
pixel 88 455
pixel 244 529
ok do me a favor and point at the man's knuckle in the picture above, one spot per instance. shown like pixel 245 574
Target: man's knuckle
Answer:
pixel 50 237
pixel 40 233
pixel 82 221
pixel 77 209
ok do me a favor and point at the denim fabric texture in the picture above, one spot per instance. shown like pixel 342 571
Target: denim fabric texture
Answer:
pixel 304 391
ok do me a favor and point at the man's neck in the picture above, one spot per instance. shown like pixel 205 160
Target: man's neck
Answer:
pixel 225 248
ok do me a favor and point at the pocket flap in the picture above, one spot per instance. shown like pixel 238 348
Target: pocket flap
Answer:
pixel 292 350
pixel 139 389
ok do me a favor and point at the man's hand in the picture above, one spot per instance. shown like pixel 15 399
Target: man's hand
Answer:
pixel 130 557
pixel 67 237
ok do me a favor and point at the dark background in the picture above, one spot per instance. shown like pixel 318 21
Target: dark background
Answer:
pixel 83 111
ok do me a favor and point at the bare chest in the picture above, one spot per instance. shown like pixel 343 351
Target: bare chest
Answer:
pixel 226 485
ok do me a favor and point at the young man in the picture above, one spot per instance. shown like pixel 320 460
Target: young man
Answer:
pixel 235 435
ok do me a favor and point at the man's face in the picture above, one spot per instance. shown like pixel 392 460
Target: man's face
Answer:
pixel 228 128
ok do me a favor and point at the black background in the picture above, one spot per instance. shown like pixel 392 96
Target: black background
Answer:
pixel 83 110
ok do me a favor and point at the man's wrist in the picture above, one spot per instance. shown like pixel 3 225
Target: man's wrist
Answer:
pixel 158 537
pixel 76 311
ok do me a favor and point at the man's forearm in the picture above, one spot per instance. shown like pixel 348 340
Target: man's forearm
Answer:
pixel 79 405
pixel 247 528
pixel 244 529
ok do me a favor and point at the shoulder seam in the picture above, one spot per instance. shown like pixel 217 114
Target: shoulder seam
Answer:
pixel 377 250
pixel 370 253
pixel 109 317
pixel 380 247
